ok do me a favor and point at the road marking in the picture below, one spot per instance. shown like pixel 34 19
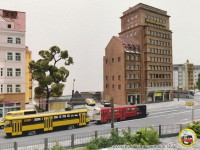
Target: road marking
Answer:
pixel 170 117
pixel 163 112
pixel 173 113
pixel 165 109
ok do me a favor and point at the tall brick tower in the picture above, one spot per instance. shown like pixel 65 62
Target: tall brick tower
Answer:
pixel 138 63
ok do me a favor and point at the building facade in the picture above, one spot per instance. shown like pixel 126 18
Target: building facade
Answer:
pixel 138 63
pixel 196 73
pixel 13 65
pixel 185 75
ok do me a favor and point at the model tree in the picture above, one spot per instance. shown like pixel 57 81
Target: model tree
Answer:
pixel 50 77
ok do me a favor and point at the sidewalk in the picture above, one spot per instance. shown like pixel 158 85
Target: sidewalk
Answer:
pixel 166 104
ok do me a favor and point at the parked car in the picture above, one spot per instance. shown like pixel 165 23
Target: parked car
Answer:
pixel 90 102
pixel 106 103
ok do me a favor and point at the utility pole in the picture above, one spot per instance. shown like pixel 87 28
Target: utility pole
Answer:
pixel 73 88
pixel 192 113
pixel 112 113
pixel 178 84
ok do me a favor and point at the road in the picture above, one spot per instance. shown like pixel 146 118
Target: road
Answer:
pixel 159 114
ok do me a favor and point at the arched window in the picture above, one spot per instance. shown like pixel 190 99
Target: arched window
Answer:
pixel 18 41
pixel 9 40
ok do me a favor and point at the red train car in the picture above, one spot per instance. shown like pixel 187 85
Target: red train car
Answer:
pixel 103 115
pixel 187 139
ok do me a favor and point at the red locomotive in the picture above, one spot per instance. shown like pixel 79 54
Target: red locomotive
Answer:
pixel 187 139
pixel 103 115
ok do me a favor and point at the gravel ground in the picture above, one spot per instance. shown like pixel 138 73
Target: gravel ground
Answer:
pixel 165 144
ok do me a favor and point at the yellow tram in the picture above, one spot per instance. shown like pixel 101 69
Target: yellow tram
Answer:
pixel 43 122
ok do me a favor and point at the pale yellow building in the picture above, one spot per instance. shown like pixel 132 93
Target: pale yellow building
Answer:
pixel 28 90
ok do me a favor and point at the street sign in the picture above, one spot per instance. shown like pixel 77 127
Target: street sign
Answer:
pixel 189 105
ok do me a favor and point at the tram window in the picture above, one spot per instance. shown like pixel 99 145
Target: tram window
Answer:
pixel 74 115
pixel 55 117
pixel 128 110
pixel 37 120
pixel 116 111
pixel 64 116
pixel 133 109
pixel 27 121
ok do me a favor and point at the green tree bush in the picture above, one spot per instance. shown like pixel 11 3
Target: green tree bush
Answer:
pixel 198 82
pixel 99 143
pixel 57 147
pixel 195 126
pixel 146 136
pixel 50 77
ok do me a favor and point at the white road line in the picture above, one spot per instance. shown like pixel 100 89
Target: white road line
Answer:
pixel 162 112
pixel 170 117
pixel 164 109
pixel 173 113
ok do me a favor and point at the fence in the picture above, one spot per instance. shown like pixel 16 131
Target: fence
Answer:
pixel 76 140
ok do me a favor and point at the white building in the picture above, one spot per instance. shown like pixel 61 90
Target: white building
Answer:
pixel 185 76
pixel 12 59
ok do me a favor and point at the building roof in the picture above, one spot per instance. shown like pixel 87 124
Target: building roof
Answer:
pixel 124 41
pixel 77 99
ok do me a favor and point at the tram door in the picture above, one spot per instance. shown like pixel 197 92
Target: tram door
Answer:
pixel 16 127
pixel 48 123
pixel 82 119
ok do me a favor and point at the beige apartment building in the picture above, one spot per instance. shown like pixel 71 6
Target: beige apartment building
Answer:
pixel 138 62
pixel 185 76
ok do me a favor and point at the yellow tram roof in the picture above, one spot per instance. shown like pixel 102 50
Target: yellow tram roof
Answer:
pixel 45 114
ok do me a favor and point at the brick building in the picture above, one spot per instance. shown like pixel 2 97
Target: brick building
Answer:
pixel 138 63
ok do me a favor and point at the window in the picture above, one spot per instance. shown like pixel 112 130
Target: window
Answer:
pixel 9 72
pixel 9 26
pixel 136 16
pixel 112 59
pixel 18 56
pixel 1 73
pixel 113 78
pixel 107 78
pixel 9 88
pixel 119 58
pixel 18 41
pixel 17 72
pixel 119 77
pixel 9 56
pixel 1 90
pixel 17 88
pixel 119 86
pixel 9 40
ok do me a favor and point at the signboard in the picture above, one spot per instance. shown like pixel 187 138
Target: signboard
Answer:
pixel 155 22
pixel 158 94
pixel 189 105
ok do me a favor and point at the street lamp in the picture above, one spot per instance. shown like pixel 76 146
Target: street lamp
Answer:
pixel 73 88
pixel 112 112
pixel 178 84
